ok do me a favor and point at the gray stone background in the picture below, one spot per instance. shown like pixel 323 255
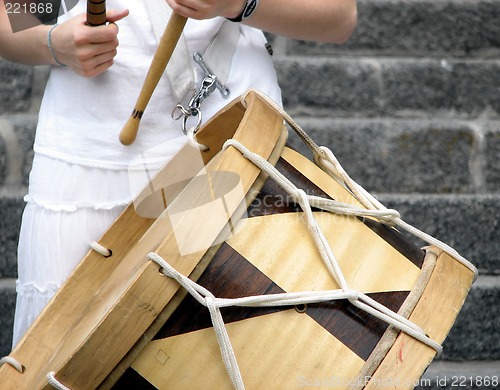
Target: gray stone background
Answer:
pixel 410 106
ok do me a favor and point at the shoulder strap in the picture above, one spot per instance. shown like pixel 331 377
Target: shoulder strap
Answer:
pixel 218 54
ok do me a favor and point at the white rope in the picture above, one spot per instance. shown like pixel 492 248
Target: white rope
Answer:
pixel 207 299
pixel 304 201
pixel 95 246
pixel 362 301
pixel 51 376
pixel 12 362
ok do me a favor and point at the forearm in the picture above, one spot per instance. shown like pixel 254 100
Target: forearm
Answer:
pixel 315 20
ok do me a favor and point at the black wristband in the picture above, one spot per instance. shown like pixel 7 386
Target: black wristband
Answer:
pixel 248 10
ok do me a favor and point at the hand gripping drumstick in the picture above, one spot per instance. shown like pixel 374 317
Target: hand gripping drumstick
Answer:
pixel 96 12
pixel 160 60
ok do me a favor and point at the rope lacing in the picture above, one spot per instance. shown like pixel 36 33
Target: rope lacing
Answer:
pixel 191 136
pixel 328 162
pixel 324 247
pixel 214 304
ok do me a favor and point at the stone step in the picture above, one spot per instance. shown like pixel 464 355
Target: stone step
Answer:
pixel 352 87
pixel 411 155
pixel 16 85
pixel 418 28
pixel 476 332
pixel 17 133
pixel 11 208
pixel 468 223
pixel 384 87
pixel 7 307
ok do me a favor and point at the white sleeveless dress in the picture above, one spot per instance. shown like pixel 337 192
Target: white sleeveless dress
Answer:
pixel 79 182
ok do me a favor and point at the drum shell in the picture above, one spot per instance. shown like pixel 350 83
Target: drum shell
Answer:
pixel 82 335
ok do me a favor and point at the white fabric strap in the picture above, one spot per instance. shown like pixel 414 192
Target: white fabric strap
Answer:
pixel 219 54
pixel 180 70
pixel 179 73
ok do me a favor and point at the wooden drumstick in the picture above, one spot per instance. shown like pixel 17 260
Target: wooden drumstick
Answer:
pixel 160 60
pixel 96 12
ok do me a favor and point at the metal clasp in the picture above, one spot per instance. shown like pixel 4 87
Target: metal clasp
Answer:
pixel 208 85
pixel 224 91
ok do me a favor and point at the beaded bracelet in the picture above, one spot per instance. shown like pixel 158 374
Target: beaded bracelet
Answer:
pixel 49 44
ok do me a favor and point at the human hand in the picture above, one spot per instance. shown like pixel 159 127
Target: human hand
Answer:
pixel 206 9
pixel 88 51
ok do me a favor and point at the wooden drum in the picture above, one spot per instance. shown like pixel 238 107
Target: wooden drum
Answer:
pixel 372 315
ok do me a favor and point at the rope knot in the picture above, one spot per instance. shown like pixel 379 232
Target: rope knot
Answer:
pixel 299 196
pixel 211 301
pixel 319 153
